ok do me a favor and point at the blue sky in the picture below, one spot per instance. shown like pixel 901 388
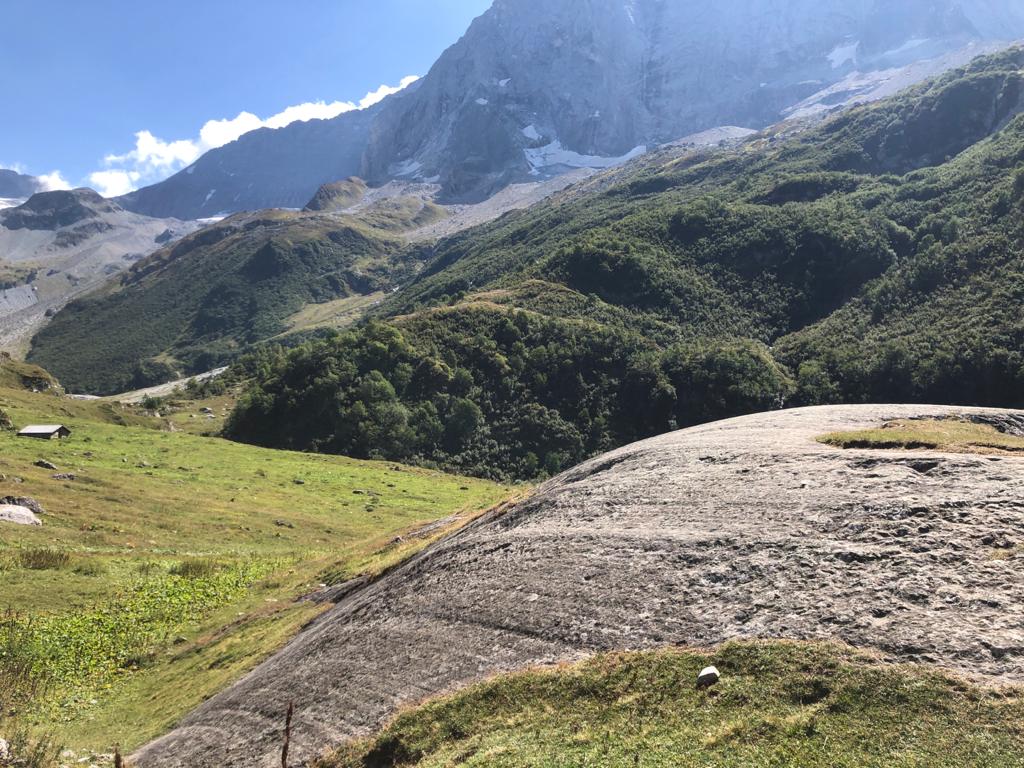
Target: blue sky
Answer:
pixel 124 88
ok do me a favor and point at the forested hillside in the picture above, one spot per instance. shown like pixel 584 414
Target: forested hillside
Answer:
pixel 196 304
pixel 877 257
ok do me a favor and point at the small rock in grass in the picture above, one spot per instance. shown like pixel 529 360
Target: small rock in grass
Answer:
pixel 299 481
pixel 5 751
pixel 44 464
pixel 65 476
pixel 708 677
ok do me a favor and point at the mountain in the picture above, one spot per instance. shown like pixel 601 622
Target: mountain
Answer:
pixel 266 168
pixel 16 187
pixel 873 257
pixel 58 245
pixel 743 530
pixel 538 88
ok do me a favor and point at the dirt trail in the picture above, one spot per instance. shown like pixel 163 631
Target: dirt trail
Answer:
pixel 745 528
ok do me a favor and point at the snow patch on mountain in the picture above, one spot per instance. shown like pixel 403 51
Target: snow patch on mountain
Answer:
pixel 554 155
pixel 844 54
pixel 405 169
pixel 909 45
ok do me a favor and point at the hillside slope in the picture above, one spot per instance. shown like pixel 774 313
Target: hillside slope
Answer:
pixel 193 305
pixel 747 528
pixel 778 703
pixel 168 564
pixel 58 245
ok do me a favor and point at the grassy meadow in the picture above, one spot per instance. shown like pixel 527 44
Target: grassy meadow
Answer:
pixel 172 563
pixel 778 704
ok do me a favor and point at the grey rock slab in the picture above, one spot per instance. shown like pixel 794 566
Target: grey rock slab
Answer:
pixel 747 528
pixel 18 515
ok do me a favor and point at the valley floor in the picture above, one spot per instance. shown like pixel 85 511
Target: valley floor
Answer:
pixel 747 528
pixel 169 564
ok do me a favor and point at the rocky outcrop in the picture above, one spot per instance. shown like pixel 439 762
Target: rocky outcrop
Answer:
pixel 337 196
pixel 747 528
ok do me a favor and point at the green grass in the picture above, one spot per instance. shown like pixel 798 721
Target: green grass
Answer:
pixel 778 704
pixel 337 314
pixel 951 435
pixel 172 564
pixel 44 559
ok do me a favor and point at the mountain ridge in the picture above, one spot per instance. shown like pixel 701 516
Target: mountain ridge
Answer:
pixel 532 90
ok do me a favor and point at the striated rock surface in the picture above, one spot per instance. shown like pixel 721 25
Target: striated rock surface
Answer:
pixel 747 528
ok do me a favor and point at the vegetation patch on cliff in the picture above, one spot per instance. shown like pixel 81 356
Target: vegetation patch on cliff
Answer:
pixel 779 704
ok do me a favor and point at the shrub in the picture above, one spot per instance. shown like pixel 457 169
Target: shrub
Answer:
pixel 196 568
pixel 44 559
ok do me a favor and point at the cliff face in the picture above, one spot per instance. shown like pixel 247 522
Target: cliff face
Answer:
pixel 536 88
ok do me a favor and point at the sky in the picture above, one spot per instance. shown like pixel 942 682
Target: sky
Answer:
pixel 117 94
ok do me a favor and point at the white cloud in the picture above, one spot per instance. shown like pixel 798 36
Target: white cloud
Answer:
pixel 154 159
pixel 115 182
pixel 51 182
pixel 16 167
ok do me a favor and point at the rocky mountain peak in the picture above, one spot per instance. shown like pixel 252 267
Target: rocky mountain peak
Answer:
pixel 55 210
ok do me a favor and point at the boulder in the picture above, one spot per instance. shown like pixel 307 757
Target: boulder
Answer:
pixel 6 425
pixel 23 501
pixel 44 464
pixel 708 677
pixel 9 513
